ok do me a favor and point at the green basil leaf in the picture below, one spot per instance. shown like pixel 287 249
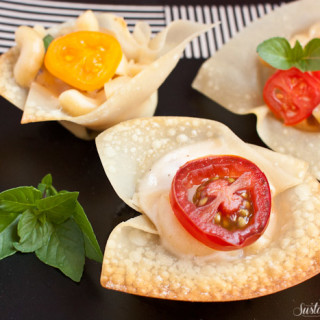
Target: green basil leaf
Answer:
pixel 65 250
pixel 33 232
pixel 47 191
pixel 47 179
pixel 92 247
pixel 277 52
pixel 6 218
pixel 58 208
pixel 47 40
pixel 311 58
pixel 7 237
pixel 19 199
pixel 51 223
pixel 297 54
pixel 46 187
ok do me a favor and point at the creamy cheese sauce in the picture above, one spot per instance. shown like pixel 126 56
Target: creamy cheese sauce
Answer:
pixel 153 198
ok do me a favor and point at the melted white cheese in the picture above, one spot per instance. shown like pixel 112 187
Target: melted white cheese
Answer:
pixel 153 198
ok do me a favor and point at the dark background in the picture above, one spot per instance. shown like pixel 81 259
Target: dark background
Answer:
pixel 31 290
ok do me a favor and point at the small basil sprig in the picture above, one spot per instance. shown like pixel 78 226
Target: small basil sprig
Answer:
pixel 279 54
pixel 50 223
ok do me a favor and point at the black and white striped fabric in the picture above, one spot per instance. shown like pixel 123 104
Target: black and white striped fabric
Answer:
pixel 14 13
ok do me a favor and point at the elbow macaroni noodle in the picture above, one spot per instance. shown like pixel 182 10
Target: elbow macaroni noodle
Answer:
pixel 76 103
pixel 87 22
pixel 31 55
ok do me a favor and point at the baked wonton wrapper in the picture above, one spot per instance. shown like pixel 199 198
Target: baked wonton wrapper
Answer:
pixel 234 77
pixel 146 64
pixel 139 260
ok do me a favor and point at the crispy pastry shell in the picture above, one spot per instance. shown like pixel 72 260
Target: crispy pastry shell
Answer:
pixel 135 260
pixel 156 57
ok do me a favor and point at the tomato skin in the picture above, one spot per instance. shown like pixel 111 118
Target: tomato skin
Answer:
pixel 195 219
pixel 292 94
pixel 316 74
pixel 85 60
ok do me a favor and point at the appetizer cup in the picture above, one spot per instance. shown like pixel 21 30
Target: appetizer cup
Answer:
pixel 154 255
pixel 38 81
pixel 235 76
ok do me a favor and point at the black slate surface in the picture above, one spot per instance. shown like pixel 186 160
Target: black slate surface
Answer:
pixel 31 290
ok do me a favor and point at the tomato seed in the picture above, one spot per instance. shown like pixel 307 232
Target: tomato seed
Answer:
pixel 217 217
pixel 225 223
pixel 242 222
pixel 202 201
pixel 244 195
pixel 68 58
pixel 247 204
pixel 244 212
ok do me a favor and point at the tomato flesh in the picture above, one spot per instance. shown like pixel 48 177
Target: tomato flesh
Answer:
pixel 292 94
pixel 222 201
pixel 85 60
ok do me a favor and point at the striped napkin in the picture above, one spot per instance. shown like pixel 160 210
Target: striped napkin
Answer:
pixel 233 18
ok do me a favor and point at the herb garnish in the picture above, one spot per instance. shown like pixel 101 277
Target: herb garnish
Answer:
pixel 47 40
pixel 50 223
pixel 279 54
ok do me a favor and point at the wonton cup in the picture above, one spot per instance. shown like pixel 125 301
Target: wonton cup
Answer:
pixel 136 259
pixel 146 64
pixel 234 77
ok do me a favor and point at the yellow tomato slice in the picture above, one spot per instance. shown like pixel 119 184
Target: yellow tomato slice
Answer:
pixel 85 60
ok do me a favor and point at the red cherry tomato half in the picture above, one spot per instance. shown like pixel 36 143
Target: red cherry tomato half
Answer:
pixel 222 201
pixel 292 94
